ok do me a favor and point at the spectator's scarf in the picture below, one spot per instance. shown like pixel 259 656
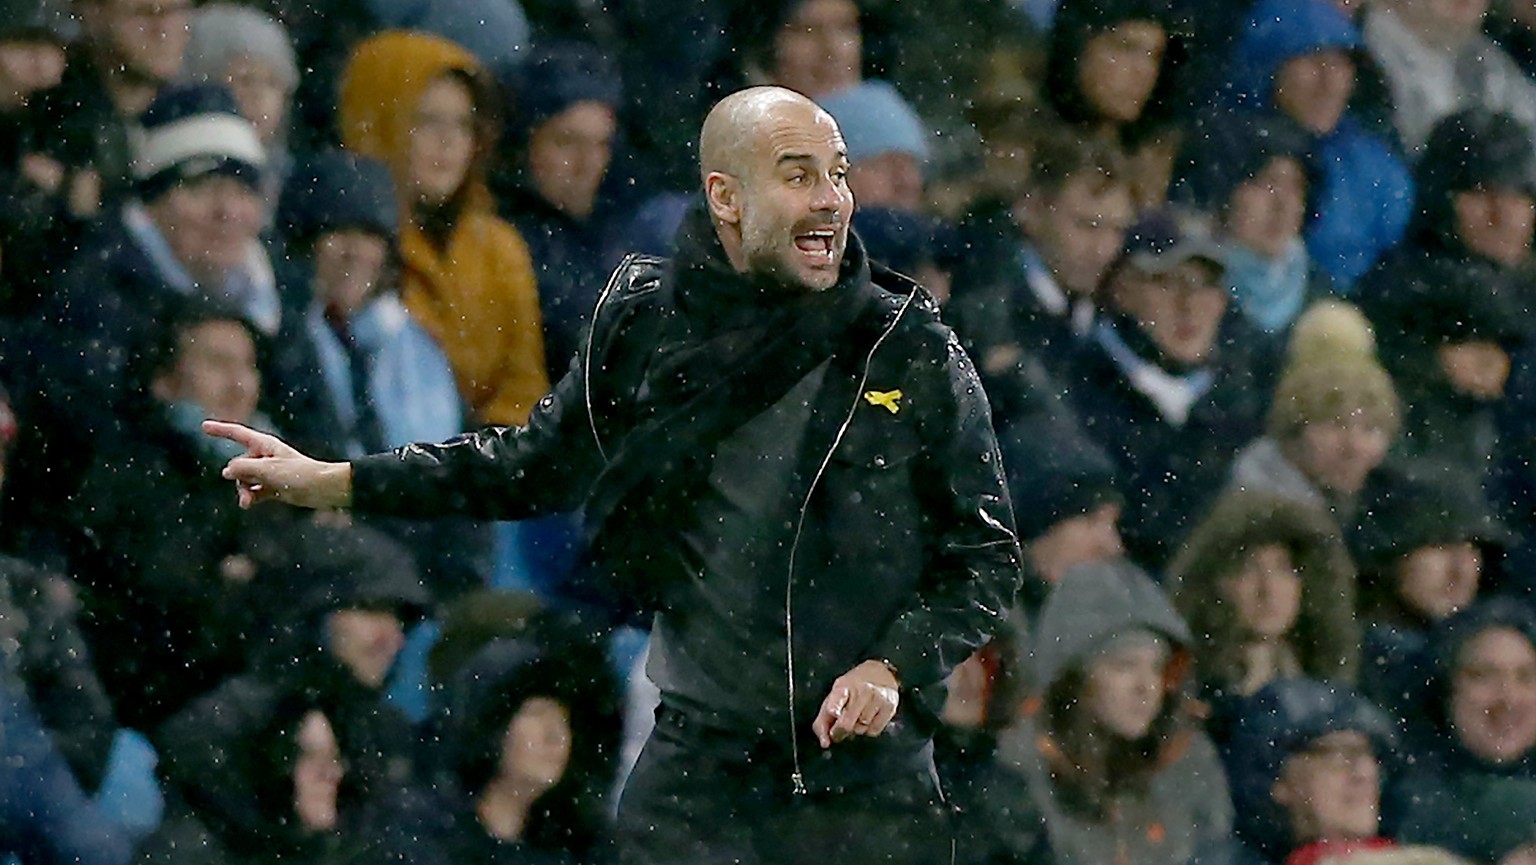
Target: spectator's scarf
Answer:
pixel 729 346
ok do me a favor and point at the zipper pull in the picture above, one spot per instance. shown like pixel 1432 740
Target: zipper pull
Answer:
pixel 799 782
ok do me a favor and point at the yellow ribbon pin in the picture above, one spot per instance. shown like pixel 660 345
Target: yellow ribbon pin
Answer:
pixel 890 399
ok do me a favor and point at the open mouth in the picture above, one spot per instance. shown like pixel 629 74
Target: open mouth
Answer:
pixel 816 244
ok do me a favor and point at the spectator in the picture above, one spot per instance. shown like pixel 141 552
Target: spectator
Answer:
pixel 529 744
pixel 911 244
pixel 81 132
pixel 1427 546
pixel 1295 62
pixel 423 106
pixel 1113 760
pixel 568 97
pixel 1108 76
pixel 1305 765
pixel 1254 175
pixel 33 40
pixel 1167 382
pixel 1438 62
pixel 162 549
pixel 496 32
pixel 1472 791
pixel 249 53
pixel 1330 425
pixel 1475 204
pixel 44 818
pixel 1032 267
pixel 1268 590
pixel 887 146
pixel 815 47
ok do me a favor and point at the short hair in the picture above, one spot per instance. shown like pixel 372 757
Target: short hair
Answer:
pixel 1330 392
pixel 1063 156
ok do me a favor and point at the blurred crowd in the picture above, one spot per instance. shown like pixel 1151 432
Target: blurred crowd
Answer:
pixel 1248 282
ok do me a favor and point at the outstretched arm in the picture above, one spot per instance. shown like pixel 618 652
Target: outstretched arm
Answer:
pixel 272 470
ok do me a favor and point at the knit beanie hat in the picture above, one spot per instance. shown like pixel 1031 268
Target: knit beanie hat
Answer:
pixel 559 75
pixel 1329 331
pixel 874 120
pixel 338 190
pixel 220 32
pixel 192 131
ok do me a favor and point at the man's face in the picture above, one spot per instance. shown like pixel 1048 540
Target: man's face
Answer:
pixel 1264 592
pixel 29 67
pixel 209 223
pixel 568 156
pixel 1119 68
pixel 1495 223
pixel 820 50
pixel 366 642
pixel 261 93
pixel 794 205
pixel 348 267
pixel 1477 369
pixel 892 179
pixel 537 746
pixel 146 38
pixel 1266 213
pixel 1436 581
pixel 1332 788
pixel 215 368
pixel 1083 539
pixel 1125 689
pixel 442 140
pixel 1079 230
pixel 1314 90
pixel 1180 310
pixel 1338 455
pixel 1493 696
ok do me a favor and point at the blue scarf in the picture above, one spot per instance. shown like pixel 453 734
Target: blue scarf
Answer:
pixel 1269 291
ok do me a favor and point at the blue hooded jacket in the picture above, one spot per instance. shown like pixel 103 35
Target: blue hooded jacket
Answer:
pixel 1363 199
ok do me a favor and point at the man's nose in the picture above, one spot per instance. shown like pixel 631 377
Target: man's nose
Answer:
pixel 830 195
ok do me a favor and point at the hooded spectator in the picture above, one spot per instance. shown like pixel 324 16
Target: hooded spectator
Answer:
pixel 1168 382
pixel 1111 756
pixel 1427 546
pixel 1268 590
pixel 1032 268
pixel 249 53
pixel 1296 63
pixel 33 37
pixel 1305 766
pixel 887 145
pixel 1331 423
pixel 567 96
pixel 813 46
pixel 1108 76
pixel 496 32
pixel 1438 62
pixel 1254 175
pixel 528 745
pixel 1473 791
pixel 423 107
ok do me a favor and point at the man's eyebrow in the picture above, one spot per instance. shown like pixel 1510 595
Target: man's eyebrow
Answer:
pixel 798 158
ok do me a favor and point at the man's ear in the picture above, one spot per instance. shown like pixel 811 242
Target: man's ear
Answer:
pixel 723 192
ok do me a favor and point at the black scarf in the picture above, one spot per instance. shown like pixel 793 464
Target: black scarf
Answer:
pixel 730 346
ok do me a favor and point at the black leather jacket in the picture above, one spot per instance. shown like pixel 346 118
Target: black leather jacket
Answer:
pixel 905 547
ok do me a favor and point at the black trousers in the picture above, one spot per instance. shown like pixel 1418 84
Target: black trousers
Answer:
pixel 691 802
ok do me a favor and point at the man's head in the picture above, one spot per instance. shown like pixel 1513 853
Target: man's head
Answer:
pixel 143 40
pixel 1330 787
pixel 366 640
pixel 887 145
pixel 1492 686
pixel 208 360
pixel 341 209
pixel 1477 185
pixel 775 174
pixel 1335 420
pixel 198 169
pixel 569 96
pixel 1077 210
pixel 250 53
pixel 1314 89
pixel 1119 68
pixel 819 47
pixel 1170 283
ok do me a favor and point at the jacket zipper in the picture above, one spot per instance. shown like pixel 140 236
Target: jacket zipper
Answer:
pixel 797 777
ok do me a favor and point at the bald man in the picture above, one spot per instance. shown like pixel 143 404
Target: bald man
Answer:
pixel 787 462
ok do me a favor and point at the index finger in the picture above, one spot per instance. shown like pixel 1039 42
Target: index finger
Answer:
pixel 238 433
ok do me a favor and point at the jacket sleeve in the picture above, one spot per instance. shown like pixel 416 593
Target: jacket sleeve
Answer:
pixel 974 569
pixel 497 473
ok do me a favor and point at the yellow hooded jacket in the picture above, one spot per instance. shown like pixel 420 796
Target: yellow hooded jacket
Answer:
pixel 478 296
